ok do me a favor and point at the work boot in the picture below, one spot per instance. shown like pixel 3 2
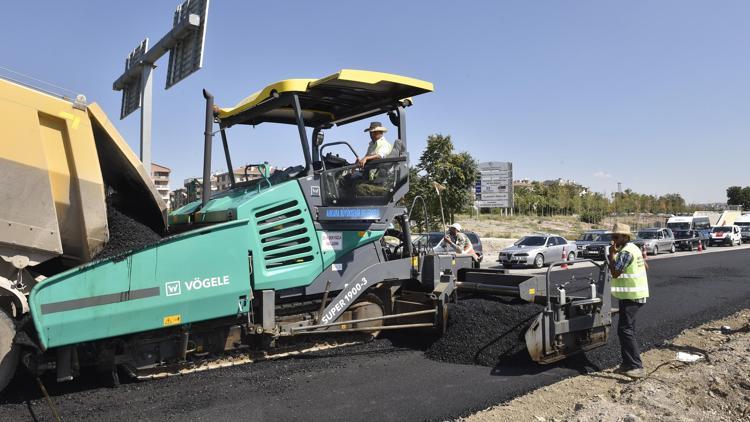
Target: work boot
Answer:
pixel 621 370
pixel 635 373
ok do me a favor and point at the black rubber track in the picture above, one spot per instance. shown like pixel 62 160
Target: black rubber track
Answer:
pixel 391 378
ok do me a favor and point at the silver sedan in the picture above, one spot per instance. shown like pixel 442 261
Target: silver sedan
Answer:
pixel 537 250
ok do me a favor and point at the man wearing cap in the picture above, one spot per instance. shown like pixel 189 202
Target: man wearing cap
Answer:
pixel 630 288
pixel 455 241
pixel 378 146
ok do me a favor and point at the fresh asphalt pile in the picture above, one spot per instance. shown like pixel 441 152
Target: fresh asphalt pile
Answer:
pixel 485 330
pixel 125 234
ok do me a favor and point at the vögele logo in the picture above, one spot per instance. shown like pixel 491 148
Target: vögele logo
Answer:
pixel 173 288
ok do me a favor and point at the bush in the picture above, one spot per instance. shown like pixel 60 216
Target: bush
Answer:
pixel 592 217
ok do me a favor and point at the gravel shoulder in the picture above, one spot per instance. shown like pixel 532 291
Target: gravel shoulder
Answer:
pixel 714 388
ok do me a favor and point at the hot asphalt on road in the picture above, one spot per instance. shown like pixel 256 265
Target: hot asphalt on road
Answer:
pixel 390 378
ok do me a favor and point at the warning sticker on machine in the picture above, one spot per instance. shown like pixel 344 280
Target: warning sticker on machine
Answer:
pixel 331 241
pixel 172 320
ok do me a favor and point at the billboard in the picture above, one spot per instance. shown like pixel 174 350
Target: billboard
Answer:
pixel 131 92
pixel 494 186
pixel 187 54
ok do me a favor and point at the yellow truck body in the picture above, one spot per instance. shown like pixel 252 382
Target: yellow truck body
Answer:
pixel 57 158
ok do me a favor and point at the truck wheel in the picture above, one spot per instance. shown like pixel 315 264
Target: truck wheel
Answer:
pixel 9 352
pixel 539 261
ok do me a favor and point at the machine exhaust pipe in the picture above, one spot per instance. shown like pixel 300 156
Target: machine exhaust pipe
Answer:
pixel 207 139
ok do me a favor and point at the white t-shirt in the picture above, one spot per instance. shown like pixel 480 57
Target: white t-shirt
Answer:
pixel 381 147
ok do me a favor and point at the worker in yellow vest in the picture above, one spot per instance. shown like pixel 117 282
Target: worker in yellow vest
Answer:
pixel 630 288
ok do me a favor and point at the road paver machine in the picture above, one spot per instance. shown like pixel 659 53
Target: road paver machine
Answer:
pixel 297 253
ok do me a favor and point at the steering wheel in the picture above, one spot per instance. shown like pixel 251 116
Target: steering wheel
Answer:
pixel 335 160
pixel 398 235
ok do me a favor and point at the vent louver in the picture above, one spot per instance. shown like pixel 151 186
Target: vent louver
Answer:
pixel 283 236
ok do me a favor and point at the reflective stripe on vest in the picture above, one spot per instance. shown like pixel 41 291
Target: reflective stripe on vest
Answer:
pixel 633 282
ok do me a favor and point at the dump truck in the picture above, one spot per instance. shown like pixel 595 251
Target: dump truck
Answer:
pixel 59 159
pixel 292 259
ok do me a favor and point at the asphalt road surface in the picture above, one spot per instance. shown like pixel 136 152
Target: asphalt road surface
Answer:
pixel 390 379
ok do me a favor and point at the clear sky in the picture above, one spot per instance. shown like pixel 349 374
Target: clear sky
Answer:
pixel 655 95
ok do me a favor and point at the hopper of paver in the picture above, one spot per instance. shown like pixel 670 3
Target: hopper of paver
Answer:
pixel 569 324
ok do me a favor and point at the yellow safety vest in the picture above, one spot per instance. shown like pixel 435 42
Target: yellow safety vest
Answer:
pixel 633 282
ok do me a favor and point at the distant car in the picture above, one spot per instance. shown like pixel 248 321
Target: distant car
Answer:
pixel 657 240
pixel 596 249
pixel 743 222
pixel 431 239
pixel 537 250
pixel 726 235
pixel 687 240
pixel 588 237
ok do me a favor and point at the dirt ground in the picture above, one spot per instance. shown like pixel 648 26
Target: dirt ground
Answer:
pixel 714 388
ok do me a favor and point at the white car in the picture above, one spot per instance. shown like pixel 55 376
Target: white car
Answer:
pixel 726 235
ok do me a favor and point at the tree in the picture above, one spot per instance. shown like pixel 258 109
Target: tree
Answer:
pixel 456 172
pixel 734 195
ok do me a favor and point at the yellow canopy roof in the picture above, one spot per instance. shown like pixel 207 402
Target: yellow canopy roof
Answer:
pixel 343 95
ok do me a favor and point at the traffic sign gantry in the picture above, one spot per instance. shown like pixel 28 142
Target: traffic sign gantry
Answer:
pixel 185 43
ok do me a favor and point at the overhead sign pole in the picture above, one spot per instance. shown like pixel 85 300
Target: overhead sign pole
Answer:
pixel 146 89
pixel 184 43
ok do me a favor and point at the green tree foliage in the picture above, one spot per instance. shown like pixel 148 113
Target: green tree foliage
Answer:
pixel 737 195
pixel 454 172
pixel 568 199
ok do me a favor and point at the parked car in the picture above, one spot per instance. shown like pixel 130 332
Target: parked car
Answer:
pixel 687 240
pixel 596 249
pixel 537 250
pixel 588 237
pixel 431 239
pixel 657 240
pixel 726 235
pixel 699 224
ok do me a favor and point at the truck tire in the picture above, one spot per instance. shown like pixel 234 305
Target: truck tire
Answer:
pixel 9 352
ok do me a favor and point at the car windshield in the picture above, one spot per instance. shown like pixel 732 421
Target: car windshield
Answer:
pixel 647 235
pixel 683 233
pixel 588 237
pixel 605 237
pixel 679 226
pixel 721 229
pixel 429 239
pixel 532 241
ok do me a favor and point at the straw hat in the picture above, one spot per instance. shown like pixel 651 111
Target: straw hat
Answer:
pixel 623 229
pixel 376 127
